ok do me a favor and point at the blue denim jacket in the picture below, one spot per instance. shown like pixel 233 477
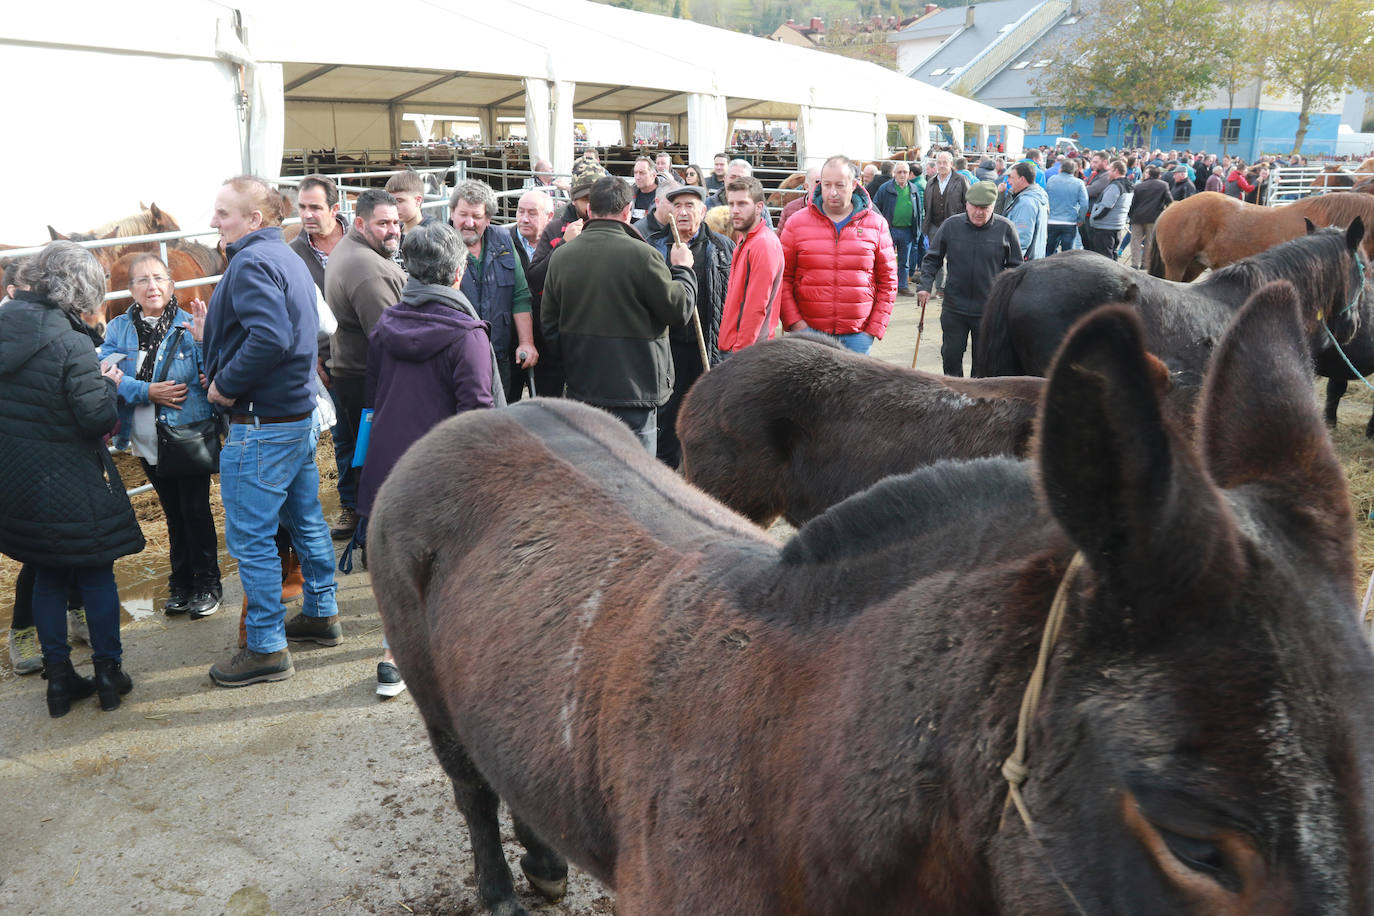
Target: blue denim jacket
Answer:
pixel 186 366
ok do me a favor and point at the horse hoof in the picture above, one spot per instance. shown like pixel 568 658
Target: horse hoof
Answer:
pixel 551 889
pixel 509 907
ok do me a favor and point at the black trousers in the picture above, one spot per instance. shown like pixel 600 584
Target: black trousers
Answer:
pixel 687 369
pixel 348 398
pixel 190 529
pixel 955 330
pixel 1105 241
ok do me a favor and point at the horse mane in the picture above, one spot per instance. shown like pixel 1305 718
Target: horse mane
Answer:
pixel 1308 256
pixel 922 503
pixel 1340 207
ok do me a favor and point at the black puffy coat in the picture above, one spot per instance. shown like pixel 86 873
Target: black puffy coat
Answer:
pixel 61 500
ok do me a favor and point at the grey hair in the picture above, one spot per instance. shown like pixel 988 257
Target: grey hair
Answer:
pixel 474 192
pixel 743 162
pixel 666 187
pixel 434 253
pixel 68 276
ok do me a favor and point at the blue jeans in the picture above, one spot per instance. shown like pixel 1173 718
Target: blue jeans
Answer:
pixel 98 591
pixel 1060 238
pixel 267 477
pixel 643 422
pixel 901 240
pixel 859 341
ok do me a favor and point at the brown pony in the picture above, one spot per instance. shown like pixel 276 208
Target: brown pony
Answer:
pixel 709 721
pixel 789 189
pixel 1213 230
pixel 791 427
pixel 180 264
pixel 151 219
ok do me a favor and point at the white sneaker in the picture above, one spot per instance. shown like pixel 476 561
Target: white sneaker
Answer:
pixel 76 625
pixel 25 658
pixel 389 681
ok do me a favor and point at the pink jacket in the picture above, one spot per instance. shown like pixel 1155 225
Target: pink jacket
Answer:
pixel 839 282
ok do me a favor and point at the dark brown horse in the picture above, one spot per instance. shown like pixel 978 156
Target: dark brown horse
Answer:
pixel 790 427
pixel 1213 230
pixel 708 721
pixel 1030 309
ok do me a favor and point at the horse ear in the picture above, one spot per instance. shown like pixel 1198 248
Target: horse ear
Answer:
pixel 1310 228
pixel 1355 234
pixel 1257 418
pixel 1127 491
pixel 56 236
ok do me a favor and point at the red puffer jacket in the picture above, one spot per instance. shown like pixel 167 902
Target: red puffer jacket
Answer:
pixel 839 282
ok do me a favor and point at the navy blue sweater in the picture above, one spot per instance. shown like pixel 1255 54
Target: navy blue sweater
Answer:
pixel 260 331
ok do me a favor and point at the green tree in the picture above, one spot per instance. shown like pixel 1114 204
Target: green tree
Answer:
pixel 1316 49
pixel 1136 60
pixel 1240 57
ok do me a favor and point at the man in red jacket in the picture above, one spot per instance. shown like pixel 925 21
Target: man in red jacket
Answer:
pixel 751 298
pixel 839 264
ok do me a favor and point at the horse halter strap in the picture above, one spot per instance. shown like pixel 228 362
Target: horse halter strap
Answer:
pixel 1014 768
pixel 1361 265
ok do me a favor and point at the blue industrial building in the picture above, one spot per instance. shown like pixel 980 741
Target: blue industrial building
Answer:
pixel 996 52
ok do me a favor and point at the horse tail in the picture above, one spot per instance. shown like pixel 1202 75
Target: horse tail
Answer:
pixel 1156 256
pixel 994 355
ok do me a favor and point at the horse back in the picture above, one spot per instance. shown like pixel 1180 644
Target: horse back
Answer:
pixel 530 556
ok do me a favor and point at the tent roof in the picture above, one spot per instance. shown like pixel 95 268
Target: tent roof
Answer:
pixel 472 54
pixel 621 60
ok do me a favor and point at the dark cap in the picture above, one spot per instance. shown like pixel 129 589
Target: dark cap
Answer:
pixel 694 189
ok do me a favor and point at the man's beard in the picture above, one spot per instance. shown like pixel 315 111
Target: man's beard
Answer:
pixel 470 237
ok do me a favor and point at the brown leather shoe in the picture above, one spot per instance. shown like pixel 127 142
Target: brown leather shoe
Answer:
pixel 348 523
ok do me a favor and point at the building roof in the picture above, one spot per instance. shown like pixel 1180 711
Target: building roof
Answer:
pixel 991 21
pixel 1011 85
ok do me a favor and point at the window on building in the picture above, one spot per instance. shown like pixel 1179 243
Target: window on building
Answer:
pixel 1100 125
pixel 1183 130
pixel 939 72
pixel 1021 65
pixel 1043 62
pixel 1230 130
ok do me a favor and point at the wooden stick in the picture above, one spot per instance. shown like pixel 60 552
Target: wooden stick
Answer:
pixel 696 317
pixel 920 327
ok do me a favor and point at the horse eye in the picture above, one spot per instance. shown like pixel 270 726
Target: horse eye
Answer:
pixel 1202 856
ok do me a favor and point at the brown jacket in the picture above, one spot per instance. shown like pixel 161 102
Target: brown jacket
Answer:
pixel 359 284
pixel 940 207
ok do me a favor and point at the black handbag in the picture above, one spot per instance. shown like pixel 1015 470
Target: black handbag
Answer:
pixel 188 450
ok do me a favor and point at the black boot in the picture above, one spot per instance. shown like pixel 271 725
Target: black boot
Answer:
pixel 64 686
pixel 110 683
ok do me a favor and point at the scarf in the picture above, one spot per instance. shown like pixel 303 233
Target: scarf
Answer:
pixel 150 336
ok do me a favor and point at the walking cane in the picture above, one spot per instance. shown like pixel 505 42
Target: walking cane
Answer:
pixel 696 317
pixel 920 326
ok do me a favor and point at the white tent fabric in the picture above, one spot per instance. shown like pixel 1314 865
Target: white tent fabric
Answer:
pixel 241 80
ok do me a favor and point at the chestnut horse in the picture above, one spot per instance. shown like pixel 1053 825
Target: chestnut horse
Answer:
pixel 708 721
pixel 1030 309
pixel 1213 230
pixel 775 429
pixel 149 220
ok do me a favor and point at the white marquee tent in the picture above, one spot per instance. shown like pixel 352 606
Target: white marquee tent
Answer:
pixel 241 80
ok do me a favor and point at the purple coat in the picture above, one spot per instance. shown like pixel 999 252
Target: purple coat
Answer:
pixel 426 361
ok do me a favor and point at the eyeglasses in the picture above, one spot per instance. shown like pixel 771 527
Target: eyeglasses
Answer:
pixel 144 281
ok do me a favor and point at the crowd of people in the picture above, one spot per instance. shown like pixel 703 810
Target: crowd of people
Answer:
pixel 618 294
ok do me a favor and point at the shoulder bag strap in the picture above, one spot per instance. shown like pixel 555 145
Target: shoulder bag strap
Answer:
pixel 170 343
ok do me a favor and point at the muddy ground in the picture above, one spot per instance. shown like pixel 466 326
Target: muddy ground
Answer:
pixel 306 796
